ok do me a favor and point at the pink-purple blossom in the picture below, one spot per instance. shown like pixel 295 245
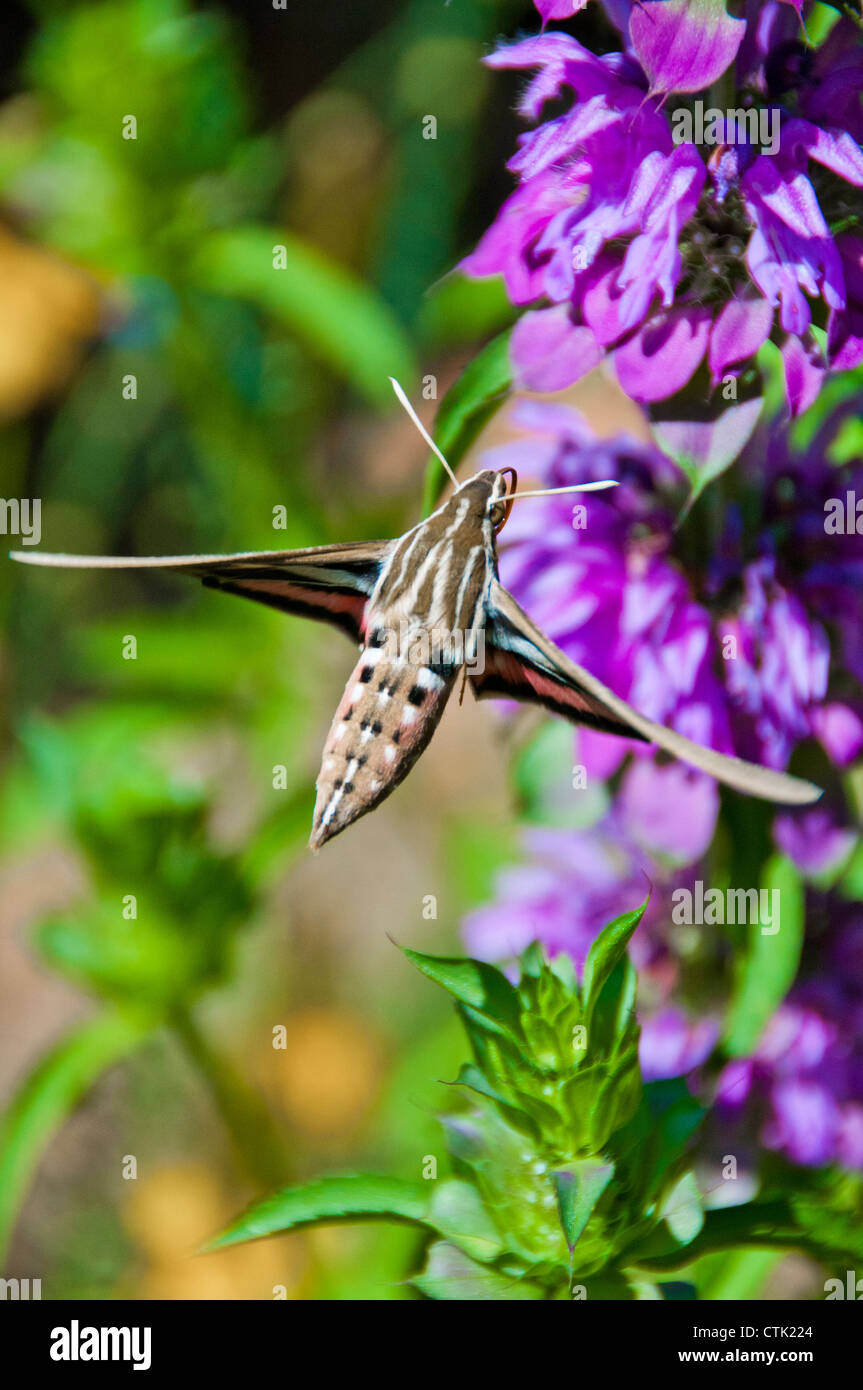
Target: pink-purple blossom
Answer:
pixel 804 1081
pixel 622 240
pixel 732 649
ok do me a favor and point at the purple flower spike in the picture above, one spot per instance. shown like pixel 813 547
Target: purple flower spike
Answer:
pixel 684 45
pixel 657 239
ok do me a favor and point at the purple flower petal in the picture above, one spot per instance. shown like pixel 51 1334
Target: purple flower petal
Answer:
pixel 602 298
pixel 559 9
pixel 549 352
pixel 804 1123
pixel 684 45
pixel 659 359
pixel 791 249
pixel 562 61
pixel 814 840
pixel 520 221
pixel 840 730
pixel 845 338
pixel 835 149
pixel 740 329
pixel 669 810
pixel 805 370
pixel 735 1083
pixel 845 329
pixel 556 139
pixel 672 1046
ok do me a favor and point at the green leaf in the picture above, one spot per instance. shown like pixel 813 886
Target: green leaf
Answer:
pixel 465 409
pixel 606 951
pixel 615 1008
pixel 674 1125
pixel 451 1275
pixel 531 962
pixel 578 1190
pixel 771 962
pixel 483 987
pixel 475 1080
pixel 683 1210
pixel 50 1094
pixel 460 310
pixel 355 1197
pixel 457 1213
pixel 336 315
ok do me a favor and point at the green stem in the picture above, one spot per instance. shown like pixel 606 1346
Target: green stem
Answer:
pixel 256 1141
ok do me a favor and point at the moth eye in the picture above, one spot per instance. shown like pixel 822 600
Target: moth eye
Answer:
pixel 497 512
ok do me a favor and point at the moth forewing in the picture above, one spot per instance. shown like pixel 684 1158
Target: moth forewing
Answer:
pixel 550 677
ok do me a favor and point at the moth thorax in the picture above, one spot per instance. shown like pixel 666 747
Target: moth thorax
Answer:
pixel 437 647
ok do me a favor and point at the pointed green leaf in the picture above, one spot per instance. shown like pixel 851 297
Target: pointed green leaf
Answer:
pixel 532 961
pixel 704 449
pixel 474 982
pixel 355 1197
pixel 615 1008
pixel 762 1225
pixel 578 1190
pixel 606 951
pixel 472 1077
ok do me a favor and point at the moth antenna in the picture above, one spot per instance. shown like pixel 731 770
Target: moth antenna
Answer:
pixel 421 427
pixel 556 491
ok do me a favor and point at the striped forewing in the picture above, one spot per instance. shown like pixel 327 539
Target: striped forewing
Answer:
pixel 330 582
pixel 522 662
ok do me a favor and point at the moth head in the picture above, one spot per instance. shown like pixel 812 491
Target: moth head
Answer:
pixel 492 492
pixel 502 496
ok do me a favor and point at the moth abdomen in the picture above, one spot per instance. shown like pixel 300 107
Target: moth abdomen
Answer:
pixel 388 713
